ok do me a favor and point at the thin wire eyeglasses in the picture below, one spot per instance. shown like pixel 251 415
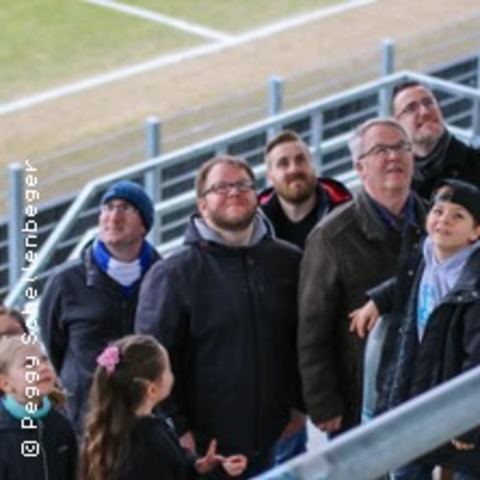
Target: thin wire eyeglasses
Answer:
pixel 224 188
pixel 381 150
pixel 118 207
pixel 413 107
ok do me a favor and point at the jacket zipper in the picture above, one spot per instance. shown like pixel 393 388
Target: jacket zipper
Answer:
pixel 43 451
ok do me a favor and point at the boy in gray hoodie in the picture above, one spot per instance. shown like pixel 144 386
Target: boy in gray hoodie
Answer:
pixel 433 331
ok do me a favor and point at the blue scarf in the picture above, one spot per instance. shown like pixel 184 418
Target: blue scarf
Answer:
pixel 127 275
pixel 438 279
pixel 18 410
pixel 407 215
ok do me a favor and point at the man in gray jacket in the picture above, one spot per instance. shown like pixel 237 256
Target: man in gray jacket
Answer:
pixel 353 249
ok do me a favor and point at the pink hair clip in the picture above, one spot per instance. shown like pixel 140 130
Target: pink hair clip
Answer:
pixel 109 359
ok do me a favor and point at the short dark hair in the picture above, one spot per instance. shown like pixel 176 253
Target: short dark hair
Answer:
pixel 397 89
pixel 285 136
pixel 204 170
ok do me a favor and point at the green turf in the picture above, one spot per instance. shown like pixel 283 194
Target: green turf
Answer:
pixel 233 16
pixel 50 42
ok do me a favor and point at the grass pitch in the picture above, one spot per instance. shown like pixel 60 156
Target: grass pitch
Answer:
pixel 48 43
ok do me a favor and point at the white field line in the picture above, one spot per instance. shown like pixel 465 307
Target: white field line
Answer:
pixel 170 59
pixel 163 19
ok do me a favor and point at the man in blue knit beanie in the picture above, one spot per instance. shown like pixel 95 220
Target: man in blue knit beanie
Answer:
pixel 91 301
pixel 134 195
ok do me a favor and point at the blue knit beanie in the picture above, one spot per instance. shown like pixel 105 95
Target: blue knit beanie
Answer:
pixel 135 195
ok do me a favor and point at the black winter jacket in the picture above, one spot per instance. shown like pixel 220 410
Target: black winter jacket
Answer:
pixel 460 161
pixel 228 317
pixel 81 311
pixel 450 346
pixel 156 454
pixel 46 452
pixel 330 194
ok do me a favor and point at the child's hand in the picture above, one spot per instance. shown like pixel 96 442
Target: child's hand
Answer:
pixel 188 441
pixel 206 463
pixel 364 319
pixel 235 465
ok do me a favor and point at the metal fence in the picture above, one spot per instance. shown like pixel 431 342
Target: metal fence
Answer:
pixel 73 167
pixel 169 178
pixel 426 52
pixel 128 147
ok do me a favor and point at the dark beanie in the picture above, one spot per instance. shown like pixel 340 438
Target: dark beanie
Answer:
pixel 459 192
pixel 135 195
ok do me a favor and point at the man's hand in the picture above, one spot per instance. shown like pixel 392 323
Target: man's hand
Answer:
pixel 295 424
pixel 364 319
pixel 331 425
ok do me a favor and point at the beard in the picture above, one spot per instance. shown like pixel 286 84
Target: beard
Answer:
pixel 231 223
pixel 297 188
pixel 428 136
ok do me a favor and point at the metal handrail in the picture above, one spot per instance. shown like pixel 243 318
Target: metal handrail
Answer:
pixel 395 438
pixel 217 144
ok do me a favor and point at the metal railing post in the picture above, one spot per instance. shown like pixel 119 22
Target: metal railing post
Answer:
pixel 153 178
pixel 476 110
pixel 387 67
pixel 16 203
pixel 316 139
pixel 274 100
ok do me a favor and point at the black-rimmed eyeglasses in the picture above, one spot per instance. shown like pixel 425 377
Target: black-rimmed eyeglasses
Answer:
pixel 413 107
pixel 381 150
pixel 224 188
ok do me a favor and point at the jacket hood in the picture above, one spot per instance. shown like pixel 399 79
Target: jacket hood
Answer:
pixel 198 231
pixel 469 280
pixel 336 192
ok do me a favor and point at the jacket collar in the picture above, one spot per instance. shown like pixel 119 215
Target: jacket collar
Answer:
pixel 373 227
pixel 469 280
pixel 330 193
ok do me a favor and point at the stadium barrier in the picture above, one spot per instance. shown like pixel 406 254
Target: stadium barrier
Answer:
pixel 169 178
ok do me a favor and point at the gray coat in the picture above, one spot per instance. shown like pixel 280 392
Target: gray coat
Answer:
pixel 349 252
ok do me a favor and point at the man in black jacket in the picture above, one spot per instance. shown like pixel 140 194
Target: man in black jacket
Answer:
pixel 297 199
pixel 90 302
pixel 437 153
pixel 294 204
pixel 225 307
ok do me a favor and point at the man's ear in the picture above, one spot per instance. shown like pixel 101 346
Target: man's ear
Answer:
pixel 268 175
pixel 359 168
pixel 201 206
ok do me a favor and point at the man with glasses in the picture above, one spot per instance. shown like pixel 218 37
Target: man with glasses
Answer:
pixel 91 301
pixel 225 307
pixel 438 154
pixel 353 249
